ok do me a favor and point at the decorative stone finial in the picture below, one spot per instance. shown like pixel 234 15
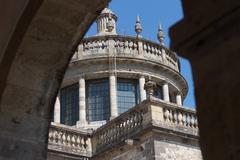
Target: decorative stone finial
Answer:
pixel 150 87
pixel 106 23
pixel 138 27
pixel 160 35
pixel 110 23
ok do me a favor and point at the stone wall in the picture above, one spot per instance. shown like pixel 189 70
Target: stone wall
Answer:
pixel 152 146
pixel 139 149
pixel 32 64
pixel 174 151
pixel 209 36
pixel 63 156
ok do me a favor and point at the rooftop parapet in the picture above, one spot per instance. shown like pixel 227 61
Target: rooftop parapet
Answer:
pixel 126 46
pixel 152 113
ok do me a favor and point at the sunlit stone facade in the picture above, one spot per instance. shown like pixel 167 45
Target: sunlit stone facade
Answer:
pixel 123 84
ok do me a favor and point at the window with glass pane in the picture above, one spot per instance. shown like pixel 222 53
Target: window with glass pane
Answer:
pixel 69 101
pixel 98 105
pixel 127 94
pixel 158 92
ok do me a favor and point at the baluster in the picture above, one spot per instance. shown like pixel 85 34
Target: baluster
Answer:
pixel 85 145
pixel 180 118
pixel 141 117
pixel 127 125
pixel 153 50
pixel 134 120
pixel 131 45
pixel 192 121
pixel 114 132
pixel 184 119
pixel 81 142
pixel 166 114
pixel 187 120
pixel 110 134
pixel 170 116
pixel 73 140
pixel 130 122
pixel 138 117
pixel 88 142
pixel 103 137
pixel 145 47
pixel 106 135
pixel 78 142
pixel 175 116
pixel 135 46
pixel 196 122
pixel 121 128
pixel 63 138
pixel 57 137
pixel 68 139
pixel 50 135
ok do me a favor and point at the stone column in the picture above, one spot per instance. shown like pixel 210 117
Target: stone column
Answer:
pixel 113 96
pixel 142 90
pixel 57 110
pixel 179 99
pixel 166 92
pixel 82 103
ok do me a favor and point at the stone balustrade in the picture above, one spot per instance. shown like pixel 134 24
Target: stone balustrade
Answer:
pixel 125 46
pixel 180 116
pixel 70 140
pixel 118 129
pixel 151 113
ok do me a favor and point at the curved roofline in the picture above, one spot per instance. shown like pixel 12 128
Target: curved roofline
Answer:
pixel 132 38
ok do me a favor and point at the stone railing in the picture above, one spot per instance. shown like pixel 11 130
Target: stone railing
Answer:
pixel 125 46
pixel 69 140
pixel 150 113
pixel 118 129
pixel 180 116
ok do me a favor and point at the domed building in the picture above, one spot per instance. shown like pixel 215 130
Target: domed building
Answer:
pixel 111 83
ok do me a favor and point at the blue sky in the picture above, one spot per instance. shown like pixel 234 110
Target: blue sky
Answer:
pixel 151 12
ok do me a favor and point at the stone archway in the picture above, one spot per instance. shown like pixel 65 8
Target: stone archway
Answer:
pixel 42 36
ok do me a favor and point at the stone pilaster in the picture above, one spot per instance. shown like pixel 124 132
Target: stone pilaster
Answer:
pixel 166 92
pixel 179 99
pixel 142 90
pixel 57 110
pixel 113 96
pixel 82 103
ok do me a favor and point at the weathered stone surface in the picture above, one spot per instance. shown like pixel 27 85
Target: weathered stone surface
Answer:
pixel 32 66
pixel 63 156
pixel 172 151
pixel 209 37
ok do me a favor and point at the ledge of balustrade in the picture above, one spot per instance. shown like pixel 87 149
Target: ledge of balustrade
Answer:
pixel 70 140
pixel 150 114
pixel 126 46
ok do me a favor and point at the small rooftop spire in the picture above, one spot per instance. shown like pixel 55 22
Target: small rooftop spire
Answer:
pixel 106 23
pixel 138 27
pixel 110 23
pixel 160 35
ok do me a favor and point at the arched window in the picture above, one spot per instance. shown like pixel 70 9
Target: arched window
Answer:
pixel 97 96
pixel 127 94
pixel 69 101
